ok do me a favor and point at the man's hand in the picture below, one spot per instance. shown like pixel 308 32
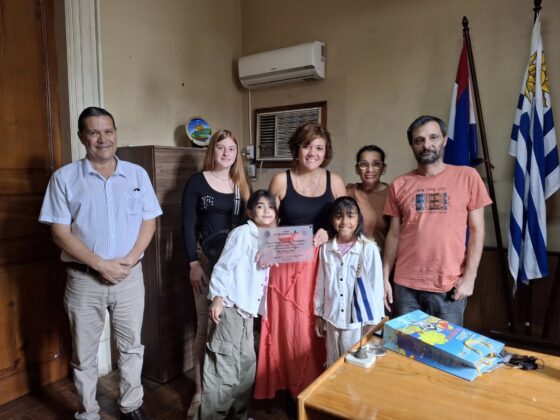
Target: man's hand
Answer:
pixel 389 258
pixel 387 295
pixel 216 309
pixel 197 277
pixel 113 271
pixel 319 327
pixel 128 261
pixel 464 287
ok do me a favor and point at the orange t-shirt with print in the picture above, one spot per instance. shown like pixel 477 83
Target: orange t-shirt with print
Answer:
pixel 431 253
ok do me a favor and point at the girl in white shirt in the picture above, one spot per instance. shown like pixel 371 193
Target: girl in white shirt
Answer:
pixel 349 286
pixel 238 294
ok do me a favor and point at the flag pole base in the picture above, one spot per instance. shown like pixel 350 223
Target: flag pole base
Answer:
pixel 368 362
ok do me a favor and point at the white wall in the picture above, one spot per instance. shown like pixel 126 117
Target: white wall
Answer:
pixel 391 61
pixel 165 61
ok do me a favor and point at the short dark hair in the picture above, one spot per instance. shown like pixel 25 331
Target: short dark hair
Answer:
pixel 423 120
pixel 305 134
pixel 342 204
pixel 256 196
pixel 370 148
pixel 93 111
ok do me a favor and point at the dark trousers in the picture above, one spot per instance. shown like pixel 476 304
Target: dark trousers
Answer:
pixel 440 305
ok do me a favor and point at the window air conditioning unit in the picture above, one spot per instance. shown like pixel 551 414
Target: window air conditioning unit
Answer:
pixel 285 65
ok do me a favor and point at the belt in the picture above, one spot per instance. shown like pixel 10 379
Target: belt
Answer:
pixel 87 269
pixel 83 268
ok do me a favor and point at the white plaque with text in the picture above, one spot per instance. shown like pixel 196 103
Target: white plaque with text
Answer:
pixel 286 244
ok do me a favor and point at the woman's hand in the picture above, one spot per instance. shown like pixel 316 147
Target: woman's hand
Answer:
pixel 216 309
pixel 319 327
pixel 320 237
pixel 197 277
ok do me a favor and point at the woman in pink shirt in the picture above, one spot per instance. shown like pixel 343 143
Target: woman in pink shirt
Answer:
pixel 370 193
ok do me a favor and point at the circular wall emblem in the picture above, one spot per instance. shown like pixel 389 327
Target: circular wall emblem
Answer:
pixel 198 131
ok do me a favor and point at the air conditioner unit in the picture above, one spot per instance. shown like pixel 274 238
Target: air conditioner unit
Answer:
pixel 285 65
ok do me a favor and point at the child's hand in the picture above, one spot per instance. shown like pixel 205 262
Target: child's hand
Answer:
pixel 319 327
pixel 216 309
pixel 261 263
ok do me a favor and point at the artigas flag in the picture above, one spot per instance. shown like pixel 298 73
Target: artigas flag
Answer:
pixel 365 299
pixel 536 172
pixel 461 148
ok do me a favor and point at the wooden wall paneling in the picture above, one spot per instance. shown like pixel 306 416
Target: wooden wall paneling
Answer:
pixel 173 167
pixel 169 317
pixel 540 297
pixel 482 309
pixel 143 156
pixel 531 303
pixel 554 298
pixel 33 329
pixel 486 310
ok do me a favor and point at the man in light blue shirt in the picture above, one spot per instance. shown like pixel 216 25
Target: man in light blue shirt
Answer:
pixel 102 212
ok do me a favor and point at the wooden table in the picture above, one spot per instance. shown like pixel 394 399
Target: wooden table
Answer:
pixel 397 387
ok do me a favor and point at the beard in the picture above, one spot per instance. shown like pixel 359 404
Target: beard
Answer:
pixel 428 156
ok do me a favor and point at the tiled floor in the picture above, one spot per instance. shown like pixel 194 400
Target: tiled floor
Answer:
pixel 169 401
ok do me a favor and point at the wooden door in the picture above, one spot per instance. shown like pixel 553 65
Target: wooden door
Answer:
pixel 32 321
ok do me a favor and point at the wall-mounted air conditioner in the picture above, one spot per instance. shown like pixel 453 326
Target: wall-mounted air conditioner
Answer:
pixel 285 65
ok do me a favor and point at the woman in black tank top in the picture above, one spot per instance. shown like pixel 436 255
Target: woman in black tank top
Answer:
pixel 297 209
pixel 290 355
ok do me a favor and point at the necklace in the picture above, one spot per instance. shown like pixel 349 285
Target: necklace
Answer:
pixel 312 187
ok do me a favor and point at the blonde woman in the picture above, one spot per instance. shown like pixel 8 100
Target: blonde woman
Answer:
pixel 213 204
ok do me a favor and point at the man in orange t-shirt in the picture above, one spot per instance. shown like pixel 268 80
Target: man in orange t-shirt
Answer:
pixel 431 209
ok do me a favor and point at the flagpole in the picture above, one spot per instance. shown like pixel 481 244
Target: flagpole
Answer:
pixel 536 9
pixel 549 315
pixel 490 181
pixel 526 290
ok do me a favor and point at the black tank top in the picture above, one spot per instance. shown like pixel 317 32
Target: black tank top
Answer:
pixel 296 209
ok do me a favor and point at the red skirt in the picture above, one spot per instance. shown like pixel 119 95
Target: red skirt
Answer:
pixel 290 355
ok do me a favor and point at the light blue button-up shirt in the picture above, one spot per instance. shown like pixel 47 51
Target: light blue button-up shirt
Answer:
pixel 105 214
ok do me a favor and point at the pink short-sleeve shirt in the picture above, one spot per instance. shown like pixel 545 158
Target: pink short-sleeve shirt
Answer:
pixel 434 210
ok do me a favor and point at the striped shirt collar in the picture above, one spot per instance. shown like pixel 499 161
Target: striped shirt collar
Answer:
pixel 87 168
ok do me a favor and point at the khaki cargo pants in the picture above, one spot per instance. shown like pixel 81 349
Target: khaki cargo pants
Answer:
pixel 229 368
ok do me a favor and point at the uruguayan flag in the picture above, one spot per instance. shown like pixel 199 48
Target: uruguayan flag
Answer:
pixel 461 148
pixel 536 174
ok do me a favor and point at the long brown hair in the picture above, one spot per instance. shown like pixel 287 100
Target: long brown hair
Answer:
pixel 237 170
